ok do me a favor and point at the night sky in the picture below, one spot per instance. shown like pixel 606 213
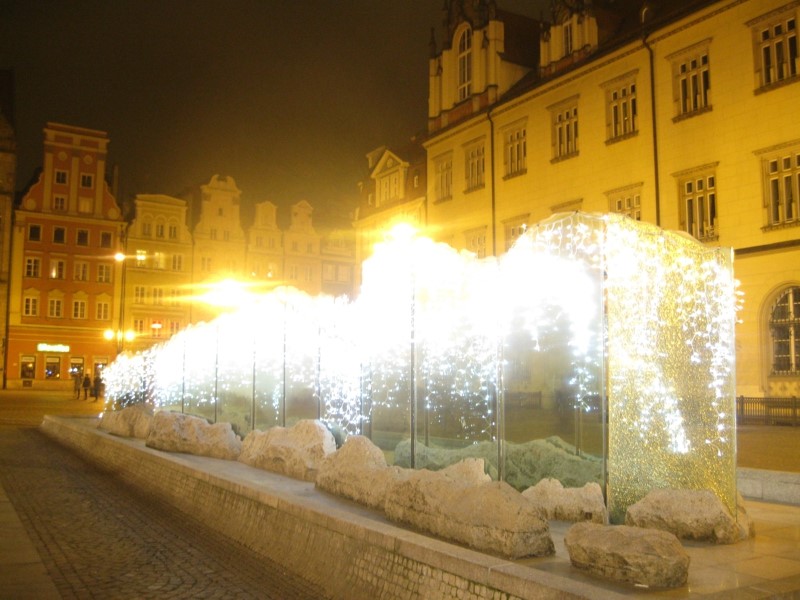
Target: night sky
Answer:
pixel 285 96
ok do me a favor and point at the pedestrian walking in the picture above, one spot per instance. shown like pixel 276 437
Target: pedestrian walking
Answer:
pixel 97 384
pixel 87 383
pixel 76 383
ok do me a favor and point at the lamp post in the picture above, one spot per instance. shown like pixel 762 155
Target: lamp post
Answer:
pixel 121 335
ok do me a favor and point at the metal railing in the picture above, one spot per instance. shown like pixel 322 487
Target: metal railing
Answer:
pixel 768 411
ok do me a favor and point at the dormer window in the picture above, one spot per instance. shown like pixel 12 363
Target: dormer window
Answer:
pixel 464 65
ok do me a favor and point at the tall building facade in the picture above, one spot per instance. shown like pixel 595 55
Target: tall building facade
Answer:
pixel 679 114
pixel 392 192
pixel 64 284
pixel 157 272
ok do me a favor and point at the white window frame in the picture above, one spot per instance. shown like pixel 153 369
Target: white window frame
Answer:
pixel 775 48
pixel 103 273
pixel 55 308
pixel 781 175
pixel 33 266
pixel 784 328
pixel 102 311
pixel 515 150
pixel 79 309
pixel 691 79
pixel 475 166
pixel 30 306
pixel 443 170
pixel 622 118
pixel 699 203
pixel 564 128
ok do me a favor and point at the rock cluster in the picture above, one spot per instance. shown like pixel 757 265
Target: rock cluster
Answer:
pixel 178 432
pixel 295 451
pixel 569 504
pixel 647 557
pixel 132 421
pixel 691 515
pixel 358 471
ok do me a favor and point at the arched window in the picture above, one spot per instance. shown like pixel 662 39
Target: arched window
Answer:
pixel 465 65
pixel 784 326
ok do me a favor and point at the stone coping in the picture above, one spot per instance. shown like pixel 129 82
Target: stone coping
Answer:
pixel 769 486
pixel 277 516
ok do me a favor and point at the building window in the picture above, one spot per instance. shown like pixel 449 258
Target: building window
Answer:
pixel 698 197
pixel 173 232
pixel 174 327
pixel 174 297
pixel 514 228
pixel 515 152
pixel 147 229
pixel 627 201
pixel 464 65
pixel 58 269
pixel 52 367
pixel 226 235
pixel 775 48
pixel 213 234
pixel 158 296
pixel 474 167
pixel 328 272
pixel 564 122
pixel 30 306
pixel 159 260
pixel 59 235
pixel 155 328
pixel 83 237
pixel 33 266
pixel 344 274
pixel 782 174
pixel 27 367
pixel 79 309
pixel 81 271
pixel 159 230
pixel 621 110
pixel 61 177
pixel 784 326
pixel 138 326
pixel 476 241
pixel 103 311
pixel 87 181
pixel 59 204
pixel 444 179
pixel 34 233
pixel 139 294
pixel 55 306
pixel 568 43
pixel 692 79
pixel 205 263
pixel 105 239
pixel 104 273
pixel 177 262
pixel 141 257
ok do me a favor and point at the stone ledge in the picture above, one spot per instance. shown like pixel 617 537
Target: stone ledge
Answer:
pixel 769 486
pixel 301 529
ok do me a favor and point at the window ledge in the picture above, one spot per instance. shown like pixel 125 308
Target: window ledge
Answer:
pixel 690 114
pixel 622 138
pixel 443 199
pixel 563 157
pixel 519 173
pixel 781 225
pixel 776 84
pixel 474 188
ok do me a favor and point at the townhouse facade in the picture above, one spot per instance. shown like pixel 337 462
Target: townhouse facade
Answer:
pixel 64 283
pixel 679 114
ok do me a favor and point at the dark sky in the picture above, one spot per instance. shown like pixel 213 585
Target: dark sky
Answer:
pixel 285 96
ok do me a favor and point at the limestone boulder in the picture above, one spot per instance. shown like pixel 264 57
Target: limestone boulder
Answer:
pixel 569 504
pixel 461 503
pixel 689 514
pixel 295 451
pixel 647 557
pixel 178 432
pixel 132 421
pixel 358 471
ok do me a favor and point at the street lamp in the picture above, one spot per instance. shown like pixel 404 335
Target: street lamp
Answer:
pixel 120 334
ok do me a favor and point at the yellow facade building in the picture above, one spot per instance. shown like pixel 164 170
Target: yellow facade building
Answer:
pixel 679 116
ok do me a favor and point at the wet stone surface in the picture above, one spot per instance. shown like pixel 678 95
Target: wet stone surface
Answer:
pixel 99 538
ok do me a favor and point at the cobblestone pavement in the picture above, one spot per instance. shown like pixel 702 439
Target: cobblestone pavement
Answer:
pixel 99 538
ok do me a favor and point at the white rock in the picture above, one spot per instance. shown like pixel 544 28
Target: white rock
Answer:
pixel 569 504
pixel 462 504
pixel 296 451
pixel 358 471
pixel 648 557
pixel 177 432
pixel 132 421
pixel 689 514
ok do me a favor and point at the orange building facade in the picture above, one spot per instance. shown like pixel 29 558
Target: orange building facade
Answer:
pixel 65 283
